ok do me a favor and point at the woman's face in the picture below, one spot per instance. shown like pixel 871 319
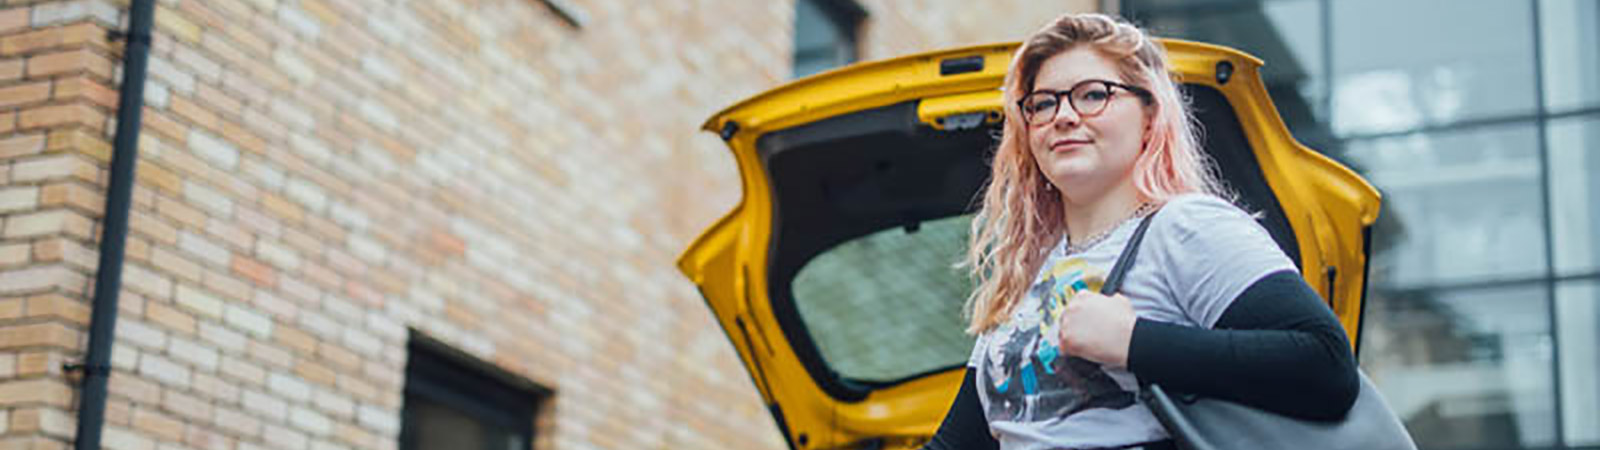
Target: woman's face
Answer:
pixel 1085 155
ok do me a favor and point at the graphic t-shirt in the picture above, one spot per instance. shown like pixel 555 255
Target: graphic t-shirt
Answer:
pixel 1198 255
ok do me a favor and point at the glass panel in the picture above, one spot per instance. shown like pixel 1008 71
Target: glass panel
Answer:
pixel 1402 64
pixel 1287 35
pixel 1578 322
pixel 435 426
pixel 1464 369
pixel 1568 32
pixel 820 41
pixel 1459 206
pixel 1575 193
pixel 888 305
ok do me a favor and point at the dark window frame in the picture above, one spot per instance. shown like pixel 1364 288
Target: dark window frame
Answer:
pixel 440 374
pixel 847 16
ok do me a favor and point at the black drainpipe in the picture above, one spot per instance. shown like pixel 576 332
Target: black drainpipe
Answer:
pixel 96 366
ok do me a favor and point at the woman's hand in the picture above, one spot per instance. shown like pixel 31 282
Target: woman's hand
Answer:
pixel 1098 328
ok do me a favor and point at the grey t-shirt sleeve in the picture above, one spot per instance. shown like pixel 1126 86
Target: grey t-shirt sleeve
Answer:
pixel 1209 252
pixel 977 350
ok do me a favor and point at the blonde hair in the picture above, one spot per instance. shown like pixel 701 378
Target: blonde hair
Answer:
pixel 1021 220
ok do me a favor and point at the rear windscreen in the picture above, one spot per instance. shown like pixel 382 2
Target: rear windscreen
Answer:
pixel 888 305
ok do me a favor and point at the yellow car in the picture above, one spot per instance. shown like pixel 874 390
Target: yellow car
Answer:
pixel 834 277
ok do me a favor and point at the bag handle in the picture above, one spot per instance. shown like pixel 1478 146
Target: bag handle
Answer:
pixel 1160 402
pixel 1120 269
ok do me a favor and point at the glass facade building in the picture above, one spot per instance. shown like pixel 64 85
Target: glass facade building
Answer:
pixel 1479 121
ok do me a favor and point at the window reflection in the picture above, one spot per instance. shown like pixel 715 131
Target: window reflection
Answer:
pixel 1575 193
pixel 1390 74
pixel 1465 206
pixel 1569 31
pixel 1465 369
pixel 1578 324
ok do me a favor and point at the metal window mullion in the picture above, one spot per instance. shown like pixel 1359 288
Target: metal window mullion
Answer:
pixel 1541 137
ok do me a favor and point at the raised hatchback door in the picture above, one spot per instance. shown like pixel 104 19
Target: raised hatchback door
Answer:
pixel 833 276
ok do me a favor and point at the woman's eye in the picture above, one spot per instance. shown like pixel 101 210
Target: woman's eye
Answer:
pixel 1042 105
pixel 1096 95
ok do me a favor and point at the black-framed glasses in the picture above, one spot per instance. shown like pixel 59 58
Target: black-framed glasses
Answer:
pixel 1088 98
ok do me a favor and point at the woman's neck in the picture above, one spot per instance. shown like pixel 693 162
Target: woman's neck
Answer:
pixel 1086 217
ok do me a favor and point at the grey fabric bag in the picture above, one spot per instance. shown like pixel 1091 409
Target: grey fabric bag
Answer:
pixel 1199 423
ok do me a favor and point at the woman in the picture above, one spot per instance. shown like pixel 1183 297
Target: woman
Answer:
pixel 1096 137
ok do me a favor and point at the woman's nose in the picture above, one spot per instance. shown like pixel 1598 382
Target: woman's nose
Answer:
pixel 1066 117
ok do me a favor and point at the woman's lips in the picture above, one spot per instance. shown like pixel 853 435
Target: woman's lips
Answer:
pixel 1069 144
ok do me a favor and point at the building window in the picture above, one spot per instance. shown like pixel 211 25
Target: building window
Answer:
pixel 456 402
pixel 1481 127
pixel 825 34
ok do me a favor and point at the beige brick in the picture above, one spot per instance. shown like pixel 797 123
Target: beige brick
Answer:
pixel 155 175
pixel 13 19
pixel 156 229
pixel 163 125
pixel 215 388
pixel 19 198
pixel 78 140
pixel 282 208
pixel 11 69
pixel 80 60
pixel 170 318
pixel 48 391
pixel 165 371
pixel 191 407
pixel 87 89
pixel 271 355
pixel 21 145
pixel 193 299
pixel 238 422
pixel 58 306
pixel 10 308
pixel 185 215
pixel 200 356
pixel 77 196
pixel 48 223
pixel 296 340
pixel 255 271
pixel 230 288
pixel 39 363
pixel 62 115
pixel 115 438
pixel 195 114
pixel 37 278
pixel 74 253
pixel 175 264
pixel 234 237
pixel 57 166
pixel 23 94
pixel 244 371
pixel 177 25
pixel 132 387
pixel 157 424
pixel 316 373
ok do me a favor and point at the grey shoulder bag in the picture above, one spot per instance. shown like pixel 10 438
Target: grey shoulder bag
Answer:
pixel 1200 423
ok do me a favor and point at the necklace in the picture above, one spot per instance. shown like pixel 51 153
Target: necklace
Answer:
pixel 1144 209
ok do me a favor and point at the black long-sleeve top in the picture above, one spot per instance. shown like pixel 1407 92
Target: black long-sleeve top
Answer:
pixel 1276 347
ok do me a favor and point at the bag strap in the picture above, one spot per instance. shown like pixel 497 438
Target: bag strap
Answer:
pixel 1120 270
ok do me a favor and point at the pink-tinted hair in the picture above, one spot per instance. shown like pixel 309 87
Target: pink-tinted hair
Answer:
pixel 1021 220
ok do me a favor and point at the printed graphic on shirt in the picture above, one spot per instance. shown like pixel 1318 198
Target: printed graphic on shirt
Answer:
pixel 1027 376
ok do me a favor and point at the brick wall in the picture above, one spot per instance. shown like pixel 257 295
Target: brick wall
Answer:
pixel 316 177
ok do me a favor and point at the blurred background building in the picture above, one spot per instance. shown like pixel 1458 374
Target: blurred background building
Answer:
pixel 425 224
pixel 1480 123
pixel 395 224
